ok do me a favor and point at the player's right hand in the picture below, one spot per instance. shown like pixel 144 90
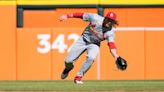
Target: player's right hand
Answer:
pixel 63 17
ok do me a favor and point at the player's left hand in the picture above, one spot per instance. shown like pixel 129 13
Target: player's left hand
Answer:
pixel 121 63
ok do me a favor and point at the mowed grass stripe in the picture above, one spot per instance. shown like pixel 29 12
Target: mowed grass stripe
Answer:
pixel 87 86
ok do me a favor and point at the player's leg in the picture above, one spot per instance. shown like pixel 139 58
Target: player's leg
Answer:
pixel 92 52
pixel 77 49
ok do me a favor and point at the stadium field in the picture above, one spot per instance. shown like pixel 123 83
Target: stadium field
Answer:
pixel 88 86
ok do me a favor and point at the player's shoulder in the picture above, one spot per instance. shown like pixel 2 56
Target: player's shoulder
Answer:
pixel 110 32
pixel 97 16
pixel 94 15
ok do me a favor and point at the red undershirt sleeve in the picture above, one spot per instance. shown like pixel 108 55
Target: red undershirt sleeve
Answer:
pixel 111 45
pixel 75 15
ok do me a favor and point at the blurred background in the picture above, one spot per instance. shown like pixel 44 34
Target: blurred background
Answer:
pixel 34 43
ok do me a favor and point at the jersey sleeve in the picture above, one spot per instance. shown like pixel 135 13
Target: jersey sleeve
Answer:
pixel 110 36
pixel 88 16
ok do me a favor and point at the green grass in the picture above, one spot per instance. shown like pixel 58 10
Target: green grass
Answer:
pixel 94 86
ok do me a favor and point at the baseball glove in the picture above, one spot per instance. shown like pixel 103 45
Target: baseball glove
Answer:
pixel 121 63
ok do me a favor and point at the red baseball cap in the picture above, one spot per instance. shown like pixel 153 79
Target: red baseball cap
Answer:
pixel 111 15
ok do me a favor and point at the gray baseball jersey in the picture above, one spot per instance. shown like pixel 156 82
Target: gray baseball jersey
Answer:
pixel 93 33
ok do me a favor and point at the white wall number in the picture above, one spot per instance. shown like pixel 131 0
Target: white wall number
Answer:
pixel 44 43
pixel 58 43
pixel 75 37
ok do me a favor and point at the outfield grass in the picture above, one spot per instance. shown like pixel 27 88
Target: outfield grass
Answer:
pixel 94 86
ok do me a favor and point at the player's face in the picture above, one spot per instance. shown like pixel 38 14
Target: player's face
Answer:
pixel 107 23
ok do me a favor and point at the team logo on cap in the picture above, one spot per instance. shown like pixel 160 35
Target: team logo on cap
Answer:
pixel 111 15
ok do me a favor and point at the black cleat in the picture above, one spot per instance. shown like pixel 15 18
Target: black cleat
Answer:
pixel 65 73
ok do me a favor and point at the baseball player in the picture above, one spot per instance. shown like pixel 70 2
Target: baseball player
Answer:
pixel 99 29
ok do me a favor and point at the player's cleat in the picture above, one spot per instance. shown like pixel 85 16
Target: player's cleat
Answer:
pixel 77 80
pixel 65 73
pixel 68 68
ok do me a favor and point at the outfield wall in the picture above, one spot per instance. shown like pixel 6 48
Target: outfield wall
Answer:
pixel 37 50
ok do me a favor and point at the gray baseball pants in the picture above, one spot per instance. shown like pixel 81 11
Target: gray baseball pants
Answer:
pixel 78 48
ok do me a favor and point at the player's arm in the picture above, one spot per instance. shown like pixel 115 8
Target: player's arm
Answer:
pixel 84 16
pixel 111 43
pixel 120 62
pixel 71 15
pixel 113 49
